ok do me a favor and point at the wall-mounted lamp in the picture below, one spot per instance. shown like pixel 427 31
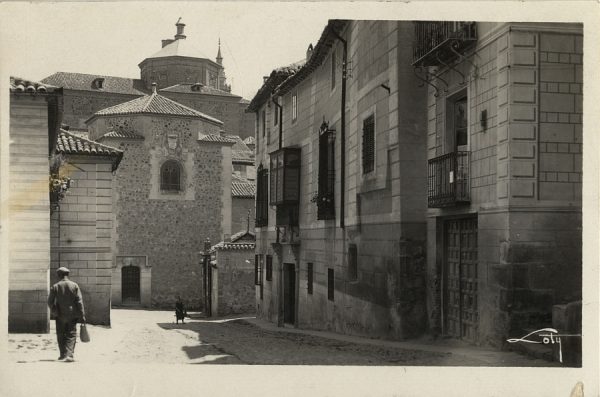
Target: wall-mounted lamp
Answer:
pixel 385 87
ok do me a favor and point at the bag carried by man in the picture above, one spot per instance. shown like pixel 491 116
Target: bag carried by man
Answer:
pixel 83 333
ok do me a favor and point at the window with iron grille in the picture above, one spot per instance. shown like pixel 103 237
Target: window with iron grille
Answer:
pixel 269 275
pixel 352 262
pixel 368 144
pixel 330 284
pixel 170 176
pixel 264 122
pixel 309 278
pixel 294 106
pixel 325 198
pixel 262 197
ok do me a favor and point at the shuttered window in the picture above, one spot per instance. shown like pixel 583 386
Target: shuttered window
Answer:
pixel 309 278
pixel 325 197
pixel 368 144
pixel 262 197
pixel 170 176
pixel 352 262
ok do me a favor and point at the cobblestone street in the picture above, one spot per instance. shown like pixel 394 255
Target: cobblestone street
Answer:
pixel 140 336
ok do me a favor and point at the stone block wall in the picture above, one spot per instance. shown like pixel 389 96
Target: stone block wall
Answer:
pixel 82 237
pixel 230 110
pixel 28 222
pixel 81 105
pixel 235 282
pixel 170 228
pixel 239 214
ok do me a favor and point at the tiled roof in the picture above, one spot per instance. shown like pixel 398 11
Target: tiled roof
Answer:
pixel 334 27
pixel 19 85
pixel 240 152
pixel 250 141
pixel 216 138
pixel 276 77
pixel 242 187
pixel 120 134
pixel 70 143
pixel 181 48
pixel 84 82
pixel 237 242
pixel 197 89
pixel 154 104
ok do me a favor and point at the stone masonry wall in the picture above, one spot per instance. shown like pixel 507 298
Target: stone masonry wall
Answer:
pixel 168 228
pixel 236 293
pixel 82 234
pixel 29 212
pixel 239 214
pixel 81 105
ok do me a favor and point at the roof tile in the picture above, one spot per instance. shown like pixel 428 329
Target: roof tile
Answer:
pixel 70 143
pixel 19 85
pixel 196 88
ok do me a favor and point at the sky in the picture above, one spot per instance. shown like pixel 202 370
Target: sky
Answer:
pixel 113 38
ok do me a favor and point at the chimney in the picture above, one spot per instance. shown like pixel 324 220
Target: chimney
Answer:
pixel 309 52
pixel 227 238
pixel 222 132
pixel 166 42
pixel 265 78
pixel 180 26
pixel 154 88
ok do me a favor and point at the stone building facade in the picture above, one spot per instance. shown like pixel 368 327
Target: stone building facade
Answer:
pixel 344 250
pixel 456 147
pixel 172 191
pixel 82 223
pixel 33 129
pixel 504 143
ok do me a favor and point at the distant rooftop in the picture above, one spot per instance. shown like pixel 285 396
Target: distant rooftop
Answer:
pixel 197 88
pixel 18 84
pixel 95 82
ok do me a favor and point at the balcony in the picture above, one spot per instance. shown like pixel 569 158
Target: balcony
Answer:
pixel 437 43
pixel 448 180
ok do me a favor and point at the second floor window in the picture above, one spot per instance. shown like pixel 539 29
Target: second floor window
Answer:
pixel 170 176
pixel 325 197
pixel 264 122
pixel 368 144
pixel 262 196
pixel 294 106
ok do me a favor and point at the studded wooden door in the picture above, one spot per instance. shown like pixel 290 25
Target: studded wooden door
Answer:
pixel 130 284
pixel 461 317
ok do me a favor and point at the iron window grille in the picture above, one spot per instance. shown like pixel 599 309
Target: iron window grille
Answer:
pixel 330 284
pixel 325 198
pixel 257 270
pixel 170 176
pixel 436 42
pixel 294 106
pixel 368 144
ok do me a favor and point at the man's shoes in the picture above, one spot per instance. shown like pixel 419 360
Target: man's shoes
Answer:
pixel 69 359
pixel 61 358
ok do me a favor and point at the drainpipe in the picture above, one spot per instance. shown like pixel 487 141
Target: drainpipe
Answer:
pixel 280 109
pixel 343 129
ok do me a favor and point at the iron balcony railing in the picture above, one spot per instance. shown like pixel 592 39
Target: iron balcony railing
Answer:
pixel 448 180
pixel 438 42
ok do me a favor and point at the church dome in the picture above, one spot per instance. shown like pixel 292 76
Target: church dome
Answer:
pixel 181 48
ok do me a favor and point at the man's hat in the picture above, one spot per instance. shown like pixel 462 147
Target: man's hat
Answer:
pixel 62 270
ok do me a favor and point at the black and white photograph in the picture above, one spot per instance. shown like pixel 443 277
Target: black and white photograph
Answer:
pixel 287 198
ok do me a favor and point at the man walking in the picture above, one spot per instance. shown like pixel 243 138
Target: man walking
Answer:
pixel 67 305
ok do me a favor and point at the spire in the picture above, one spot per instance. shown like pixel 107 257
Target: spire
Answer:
pixel 180 26
pixel 219 57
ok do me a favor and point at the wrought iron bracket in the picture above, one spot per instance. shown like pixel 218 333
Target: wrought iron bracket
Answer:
pixel 462 58
pixel 426 80
pixel 452 68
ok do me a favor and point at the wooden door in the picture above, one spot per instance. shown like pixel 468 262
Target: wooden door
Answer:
pixel 461 316
pixel 130 284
